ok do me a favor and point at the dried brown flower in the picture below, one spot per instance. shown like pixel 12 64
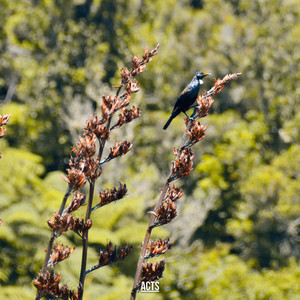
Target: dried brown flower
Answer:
pixel 77 201
pixel 204 104
pixel 158 247
pixel 86 146
pixel 4 119
pixel 139 69
pixel 132 87
pixel 96 126
pixel 135 61
pixel 80 226
pixel 109 196
pixel 59 253
pixel 67 222
pixel 76 295
pixel 61 224
pixel 111 104
pixel 152 272
pixel 76 178
pixel 165 214
pixel 117 150
pixel 149 54
pixel 126 75
pixel 196 132
pixel 183 165
pixel 127 116
pixel 91 168
pixel 138 65
pixel 47 284
pixel 219 84
pixel 174 193
pixel 110 255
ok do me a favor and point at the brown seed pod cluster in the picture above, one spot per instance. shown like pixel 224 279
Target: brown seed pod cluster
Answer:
pixel 174 193
pixel 59 253
pixel 196 132
pixel 183 165
pixel 220 83
pixel 111 104
pixel 66 222
pixel 119 149
pixel 157 247
pixel 152 271
pixel 3 121
pixel 75 178
pixel 127 116
pixel 109 196
pixel 77 201
pixel 95 125
pixel 165 213
pixel 47 283
pixel 110 255
pixel 203 106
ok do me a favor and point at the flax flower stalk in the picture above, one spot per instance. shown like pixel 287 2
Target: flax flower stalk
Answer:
pixel 181 166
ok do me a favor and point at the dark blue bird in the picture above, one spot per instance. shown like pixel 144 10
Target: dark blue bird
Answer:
pixel 187 97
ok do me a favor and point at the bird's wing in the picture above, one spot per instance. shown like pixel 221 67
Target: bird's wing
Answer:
pixel 186 91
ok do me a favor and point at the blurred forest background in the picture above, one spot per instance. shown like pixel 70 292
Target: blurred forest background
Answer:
pixel 235 234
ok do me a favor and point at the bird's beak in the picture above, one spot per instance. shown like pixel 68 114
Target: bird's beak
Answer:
pixel 206 74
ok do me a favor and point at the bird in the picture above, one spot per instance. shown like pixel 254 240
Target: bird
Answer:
pixel 187 97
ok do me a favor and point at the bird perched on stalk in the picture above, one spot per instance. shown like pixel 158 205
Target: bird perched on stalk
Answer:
pixel 187 97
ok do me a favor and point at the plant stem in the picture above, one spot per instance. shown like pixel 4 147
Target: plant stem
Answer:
pixel 52 237
pixel 85 238
pixel 151 222
pixel 88 212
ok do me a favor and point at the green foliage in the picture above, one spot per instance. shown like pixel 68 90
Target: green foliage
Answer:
pixel 63 55
pixel 217 274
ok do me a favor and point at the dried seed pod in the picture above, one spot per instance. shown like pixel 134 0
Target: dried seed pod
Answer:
pixel 91 168
pixel 165 214
pixel 132 87
pixel 157 247
pixel 174 193
pixel 59 253
pixel 61 224
pixel 204 104
pixel 127 116
pixel 152 272
pixel 96 126
pixel 183 165
pixel 117 150
pixel 196 132
pixel 110 255
pixel 76 178
pixel 77 201
pixel 135 61
pixel 126 75
pixel 109 196
pixel 86 146
pixel 47 284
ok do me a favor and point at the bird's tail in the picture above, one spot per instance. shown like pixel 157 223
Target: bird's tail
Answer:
pixel 168 122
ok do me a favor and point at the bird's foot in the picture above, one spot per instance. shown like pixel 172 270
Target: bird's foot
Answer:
pixel 189 117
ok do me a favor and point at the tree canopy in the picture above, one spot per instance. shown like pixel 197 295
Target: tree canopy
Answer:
pixel 235 233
